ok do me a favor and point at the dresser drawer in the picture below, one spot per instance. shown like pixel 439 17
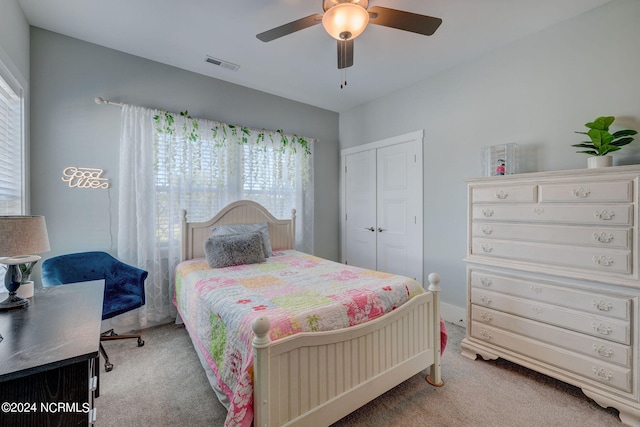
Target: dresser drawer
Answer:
pixel 570 235
pixel 606 351
pixel 598 326
pixel 600 304
pixel 592 370
pixel 598 259
pixel 587 192
pixel 605 214
pixel 505 194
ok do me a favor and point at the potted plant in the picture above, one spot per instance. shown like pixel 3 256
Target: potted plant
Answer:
pixel 603 142
pixel 26 285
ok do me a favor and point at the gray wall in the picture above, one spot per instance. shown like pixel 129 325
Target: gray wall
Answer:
pixel 14 36
pixel 535 92
pixel 70 129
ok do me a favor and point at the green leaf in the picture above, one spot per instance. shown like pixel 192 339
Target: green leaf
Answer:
pixel 622 142
pixel 596 137
pixel 626 132
pixel 601 123
pixel 609 149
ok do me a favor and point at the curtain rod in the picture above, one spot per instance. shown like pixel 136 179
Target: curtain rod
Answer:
pixel 100 100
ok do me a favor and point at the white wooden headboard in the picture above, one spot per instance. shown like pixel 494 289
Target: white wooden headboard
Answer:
pixel 282 232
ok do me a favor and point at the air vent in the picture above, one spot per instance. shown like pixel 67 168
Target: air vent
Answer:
pixel 223 64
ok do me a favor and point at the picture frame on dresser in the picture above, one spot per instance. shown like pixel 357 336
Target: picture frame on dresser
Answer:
pixel 553 278
pixel 498 160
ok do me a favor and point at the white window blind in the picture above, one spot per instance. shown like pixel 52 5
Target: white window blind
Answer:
pixel 11 151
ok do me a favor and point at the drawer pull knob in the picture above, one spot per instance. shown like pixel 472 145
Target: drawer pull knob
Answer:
pixel 486 281
pixel 487 212
pixel 487 230
pixel 603 261
pixel 485 299
pixel 485 334
pixel 603 351
pixel 603 237
pixel 601 329
pixel 605 215
pixel 602 374
pixel 486 316
pixel 581 192
pixel 487 248
pixel 538 211
pixel 536 309
pixel 502 194
pixel 602 305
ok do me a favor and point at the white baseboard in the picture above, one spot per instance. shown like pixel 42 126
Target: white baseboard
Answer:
pixel 453 314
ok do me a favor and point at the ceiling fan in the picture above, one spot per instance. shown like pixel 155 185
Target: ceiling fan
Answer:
pixel 345 20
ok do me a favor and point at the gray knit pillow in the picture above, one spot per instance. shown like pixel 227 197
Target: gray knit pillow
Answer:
pixel 234 249
pixel 262 227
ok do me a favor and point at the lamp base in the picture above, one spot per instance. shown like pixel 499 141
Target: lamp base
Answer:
pixel 13 301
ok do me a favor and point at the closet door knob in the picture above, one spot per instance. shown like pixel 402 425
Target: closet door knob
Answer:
pixel 380 230
pixel 370 229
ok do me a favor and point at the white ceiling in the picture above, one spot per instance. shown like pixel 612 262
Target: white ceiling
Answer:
pixel 301 66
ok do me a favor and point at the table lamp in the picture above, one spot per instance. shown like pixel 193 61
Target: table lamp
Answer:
pixel 21 238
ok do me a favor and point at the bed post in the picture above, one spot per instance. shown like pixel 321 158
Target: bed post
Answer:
pixel 293 229
pixel 434 377
pixel 185 241
pixel 261 342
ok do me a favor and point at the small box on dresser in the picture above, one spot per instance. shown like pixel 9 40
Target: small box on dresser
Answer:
pixel 554 281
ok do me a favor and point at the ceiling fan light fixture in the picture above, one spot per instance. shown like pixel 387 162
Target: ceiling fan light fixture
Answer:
pixel 345 21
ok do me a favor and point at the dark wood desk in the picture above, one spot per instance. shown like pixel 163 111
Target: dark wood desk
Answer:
pixel 49 357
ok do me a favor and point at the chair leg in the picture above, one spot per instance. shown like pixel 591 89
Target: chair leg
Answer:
pixel 111 335
pixel 107 366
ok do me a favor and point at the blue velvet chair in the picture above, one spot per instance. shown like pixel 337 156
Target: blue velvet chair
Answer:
pixel 123 285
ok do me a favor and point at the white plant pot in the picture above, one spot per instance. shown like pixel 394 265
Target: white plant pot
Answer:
pixel 25 290
pixel 599 161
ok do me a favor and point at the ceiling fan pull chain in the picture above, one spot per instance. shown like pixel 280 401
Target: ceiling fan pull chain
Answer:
pixel 343 71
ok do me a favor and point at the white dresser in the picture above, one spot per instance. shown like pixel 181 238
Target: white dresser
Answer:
pixel 554 278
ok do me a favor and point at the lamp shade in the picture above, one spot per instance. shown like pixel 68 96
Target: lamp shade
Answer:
pixel 345 21
pixel 23 235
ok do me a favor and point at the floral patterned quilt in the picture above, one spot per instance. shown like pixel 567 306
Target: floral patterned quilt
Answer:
pixel 297 291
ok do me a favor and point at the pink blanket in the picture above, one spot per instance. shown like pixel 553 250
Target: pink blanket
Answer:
pixel 297 291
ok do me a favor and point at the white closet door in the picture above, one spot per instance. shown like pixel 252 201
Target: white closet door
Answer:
pixel 360 200
pixel 399 209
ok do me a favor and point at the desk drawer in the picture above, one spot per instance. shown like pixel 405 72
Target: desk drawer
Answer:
pixel 602 350
pixel 597 326
pixel 594 370
pixel 598 303
pixel 587 192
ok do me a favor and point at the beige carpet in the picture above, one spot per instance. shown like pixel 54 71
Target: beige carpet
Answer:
pixel 163 384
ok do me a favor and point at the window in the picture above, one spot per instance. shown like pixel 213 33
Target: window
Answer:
pixel 202 166
pixel 12 150
pixel 12 147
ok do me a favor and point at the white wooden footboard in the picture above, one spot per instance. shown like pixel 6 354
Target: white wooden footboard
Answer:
pixel 314 379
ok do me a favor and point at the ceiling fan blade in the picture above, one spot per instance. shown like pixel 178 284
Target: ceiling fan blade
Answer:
pixel 291 27
pixel 345 54
pixel 407 21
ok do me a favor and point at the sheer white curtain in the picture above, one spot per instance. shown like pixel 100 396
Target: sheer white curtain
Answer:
pixel 170 162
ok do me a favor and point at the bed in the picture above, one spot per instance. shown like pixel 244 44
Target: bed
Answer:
pixel 304 370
